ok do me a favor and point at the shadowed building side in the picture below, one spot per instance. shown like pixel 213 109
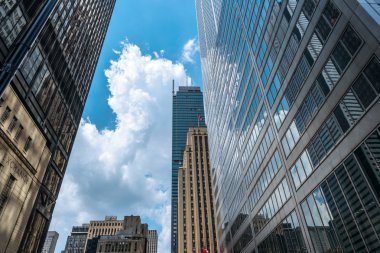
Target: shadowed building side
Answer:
pixel 41 107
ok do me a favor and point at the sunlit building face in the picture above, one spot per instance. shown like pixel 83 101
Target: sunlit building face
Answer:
pixel 291 99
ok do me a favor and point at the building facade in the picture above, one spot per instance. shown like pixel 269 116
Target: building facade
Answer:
pixel 196 221
pixel 152 241
pixel 132 238
pixel 50 242
pixel 187 112
pixel 109 226
pixel 76 241
pixel 41 108
pixel 292 99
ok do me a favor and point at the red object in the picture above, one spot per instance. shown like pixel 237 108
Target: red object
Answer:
pixel 199 118
pixel 204 250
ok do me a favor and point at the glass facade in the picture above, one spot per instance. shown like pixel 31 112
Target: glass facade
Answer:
pixel 52 83
pixel 291 99
pixel 188 111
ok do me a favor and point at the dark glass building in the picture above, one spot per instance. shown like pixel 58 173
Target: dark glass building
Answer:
pixel 292 93
pixel 187 112
pixel 76 242
pixel 41 107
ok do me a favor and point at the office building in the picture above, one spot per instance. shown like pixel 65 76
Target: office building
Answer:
pixel 196 222
pixel 132 238
pixel 76 241
pixel 187 112
pixel 292 103
pixel 50 242
pixel 109 226
pixel 152 241
pixel 41 106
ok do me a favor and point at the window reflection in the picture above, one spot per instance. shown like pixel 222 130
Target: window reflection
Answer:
pixel 286 237
pixel 342 214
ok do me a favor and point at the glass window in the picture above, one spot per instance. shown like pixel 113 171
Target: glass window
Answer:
pixel 351 40
pixel 372 72
pixel 57 112
pixel 300 170
pixel 52 180
pixel 11 25
pixel 45 92
pixel 297 181
pixel 323 29
pixel 331 13
pixel 41 77
pixel 31 64
pixel 306 163
pixel 341 118
pixel 364 91
pixel 340 57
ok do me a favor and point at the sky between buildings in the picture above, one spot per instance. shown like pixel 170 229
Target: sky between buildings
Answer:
pixel 120 163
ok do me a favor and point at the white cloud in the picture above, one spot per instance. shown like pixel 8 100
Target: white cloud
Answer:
pixel 126 170
pixel 189 50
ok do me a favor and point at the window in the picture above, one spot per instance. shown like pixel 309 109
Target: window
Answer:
pixel 342 214
pixel 5 114
pixel 6 191
pixel 18 132
pixel 12 24
pixel 31 64
pixel 12 124
pixel 5 7
pixel 373 74
pixel 364 91
pixel 28 143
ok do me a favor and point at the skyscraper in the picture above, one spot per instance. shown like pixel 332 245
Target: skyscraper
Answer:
pixel 152 241
pixel 196 222
pixel 187 112
pixel 292 103
pixel 76 241
pixel 42 105
pixel 50 242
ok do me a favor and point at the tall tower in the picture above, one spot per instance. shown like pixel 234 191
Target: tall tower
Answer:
pixel 196 222
pixel 41 107
pixel 187 112
pixel 76 241
pixel 50 242
pixel 292 103
pixel 152 241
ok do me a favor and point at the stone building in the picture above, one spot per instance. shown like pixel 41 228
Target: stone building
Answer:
pixel 152 241
pixel 50 242
pixel 196 221
pixel 46 72
pixel 132 238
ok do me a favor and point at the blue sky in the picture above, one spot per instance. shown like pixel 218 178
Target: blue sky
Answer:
pixel 153 25
pixel 121 160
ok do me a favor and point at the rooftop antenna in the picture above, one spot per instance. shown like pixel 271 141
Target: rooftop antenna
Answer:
pixel 173 88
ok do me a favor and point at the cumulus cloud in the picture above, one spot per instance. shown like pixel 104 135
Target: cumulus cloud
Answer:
pixel 127 169
pixel 189 50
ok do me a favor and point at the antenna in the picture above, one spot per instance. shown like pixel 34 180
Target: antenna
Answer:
pixel 173 88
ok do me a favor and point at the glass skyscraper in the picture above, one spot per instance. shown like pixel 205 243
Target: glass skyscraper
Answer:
pixel 41 107
pixel 188 112
pixel 292 93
